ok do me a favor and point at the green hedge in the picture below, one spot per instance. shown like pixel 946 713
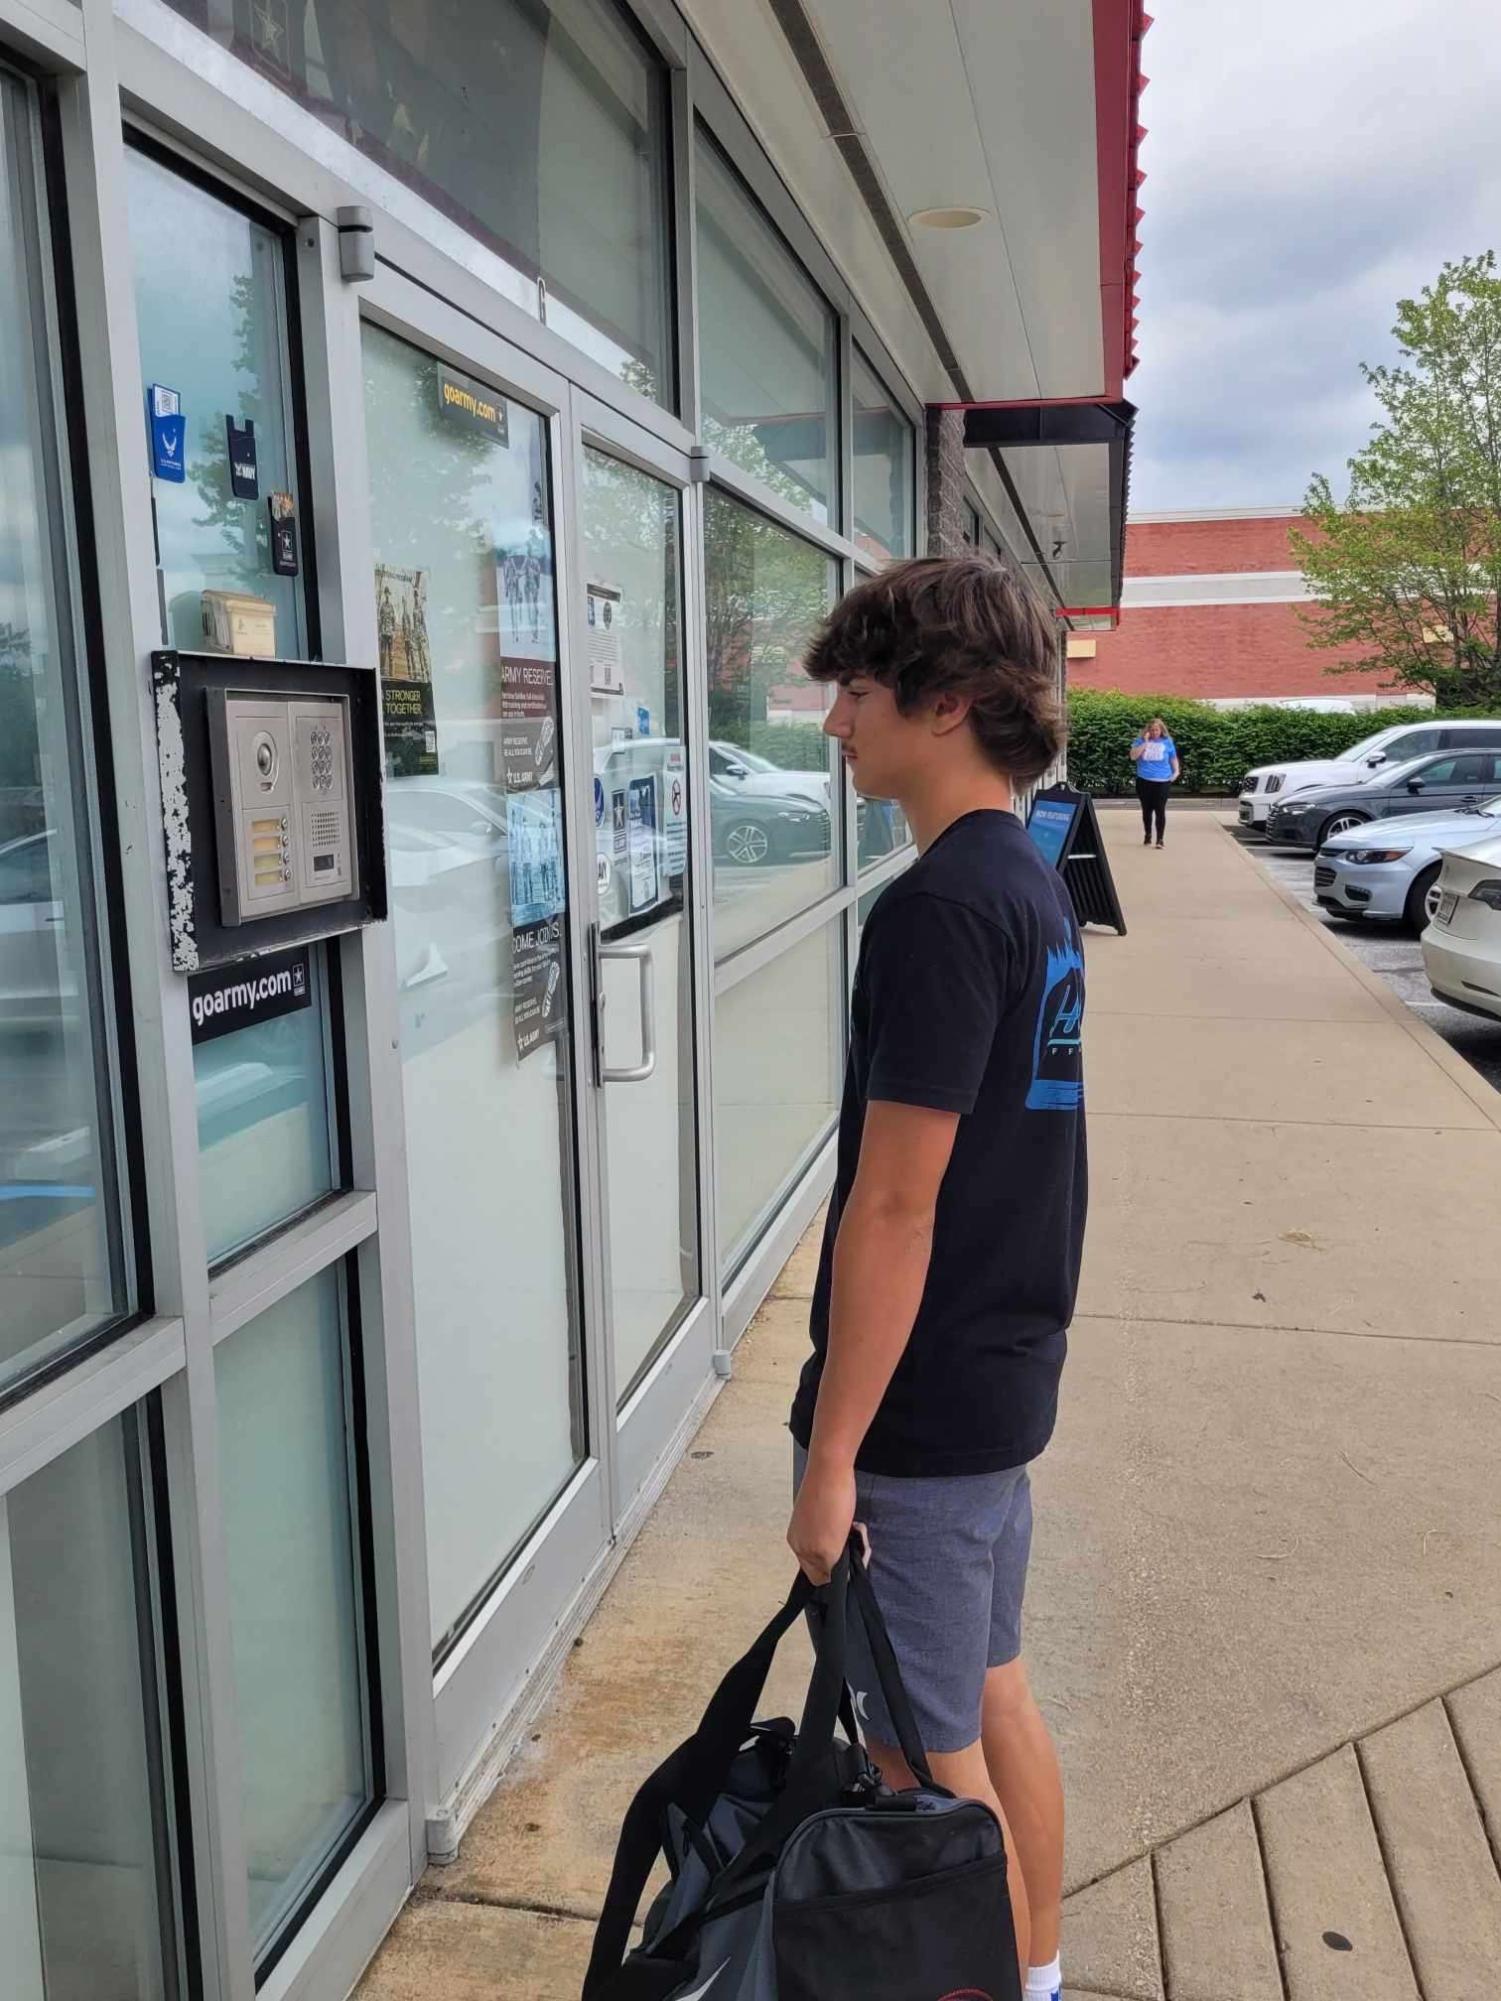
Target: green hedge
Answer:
pixel 1216 747
pixel 794 746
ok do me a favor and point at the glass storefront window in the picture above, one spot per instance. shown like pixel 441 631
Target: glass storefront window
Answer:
pixel 265 1147
pixel 212 311
pixel 772 797
pixel 778 1062
pixel 461 521
pixel 885 457
pixel 540 126
pixel 295 1606
pixel 767 347
pixel 634 620
pixel 86 1907
pixel 63 1264
pixel 883 829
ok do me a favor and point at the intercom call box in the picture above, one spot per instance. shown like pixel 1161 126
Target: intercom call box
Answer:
pixel 283 788
pixel 271 802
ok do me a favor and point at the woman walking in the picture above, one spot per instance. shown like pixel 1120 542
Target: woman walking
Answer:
pixel 1155 756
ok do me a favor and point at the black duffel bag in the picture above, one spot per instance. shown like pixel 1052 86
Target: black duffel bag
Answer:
pixel 796 1874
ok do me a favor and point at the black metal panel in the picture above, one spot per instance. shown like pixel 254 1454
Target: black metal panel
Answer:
pixel 181 685
pixel 1007 425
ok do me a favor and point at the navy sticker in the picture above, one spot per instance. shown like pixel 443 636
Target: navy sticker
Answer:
pixel 244 470
pixel 169 433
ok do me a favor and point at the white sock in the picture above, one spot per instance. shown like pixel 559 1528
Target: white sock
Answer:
pixel 1043 1982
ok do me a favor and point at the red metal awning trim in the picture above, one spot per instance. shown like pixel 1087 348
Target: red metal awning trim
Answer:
pixel 1119 26
pixel 1110 611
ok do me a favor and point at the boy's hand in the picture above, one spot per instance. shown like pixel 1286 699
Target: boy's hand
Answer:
pixel 822 1519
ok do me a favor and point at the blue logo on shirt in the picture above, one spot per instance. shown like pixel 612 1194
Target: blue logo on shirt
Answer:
pixel 1057 1065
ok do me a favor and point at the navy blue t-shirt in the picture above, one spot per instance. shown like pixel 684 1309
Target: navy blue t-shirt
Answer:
pixel 969 998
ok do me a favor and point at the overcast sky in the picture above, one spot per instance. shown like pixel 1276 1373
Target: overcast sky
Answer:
pixel 1309 163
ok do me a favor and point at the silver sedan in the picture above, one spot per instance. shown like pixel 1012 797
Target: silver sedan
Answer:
pixel 1388 868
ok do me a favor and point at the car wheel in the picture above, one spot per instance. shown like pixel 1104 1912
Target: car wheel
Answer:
pixel 747 844
pixel 1340 823
pixel 1422 898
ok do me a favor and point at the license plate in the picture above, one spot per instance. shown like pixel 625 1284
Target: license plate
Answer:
pixel 1448 903
pixel 1245 809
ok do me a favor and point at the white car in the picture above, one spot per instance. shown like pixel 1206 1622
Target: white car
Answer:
pixel 1462 945
pixel 757 777
pixel 1268 784
pixel 1389 868
pixel 36 972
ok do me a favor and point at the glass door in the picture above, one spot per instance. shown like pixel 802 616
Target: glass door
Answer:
pixel 463 438
pixel 529 565
pixel 631 638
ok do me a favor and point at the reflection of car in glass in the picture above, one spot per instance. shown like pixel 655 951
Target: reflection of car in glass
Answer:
pixel 755 776
pixel 450 883
pixel 760 814
pixel 767 828
pixel 34 970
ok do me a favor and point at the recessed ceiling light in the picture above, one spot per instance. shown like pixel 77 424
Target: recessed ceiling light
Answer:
pixel 948 218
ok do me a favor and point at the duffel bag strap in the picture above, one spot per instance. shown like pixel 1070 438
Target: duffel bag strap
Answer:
pixel 692 1778
pixel 812 1774
pixel 888 1671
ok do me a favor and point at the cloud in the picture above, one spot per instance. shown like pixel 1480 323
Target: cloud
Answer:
pixel 1310 162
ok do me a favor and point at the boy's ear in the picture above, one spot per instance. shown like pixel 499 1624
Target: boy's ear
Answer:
pixel 948 712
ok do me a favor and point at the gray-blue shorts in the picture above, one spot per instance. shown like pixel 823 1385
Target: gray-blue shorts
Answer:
pixel 948 1560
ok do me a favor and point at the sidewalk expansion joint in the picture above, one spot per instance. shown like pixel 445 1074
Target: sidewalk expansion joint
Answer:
pixel 1140 1317
pixel 1385 1853
pixel 528 1906
pixel 1159 1931
pixel 1274 1917
pixel 1437 1127
pixel 1492 1834
pixel 1279 1778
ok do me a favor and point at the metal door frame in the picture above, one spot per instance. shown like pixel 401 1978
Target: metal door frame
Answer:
pixel 480 1681
pixel 679 1382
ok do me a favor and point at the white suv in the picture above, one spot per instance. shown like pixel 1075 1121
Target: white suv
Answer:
pixel 1268 784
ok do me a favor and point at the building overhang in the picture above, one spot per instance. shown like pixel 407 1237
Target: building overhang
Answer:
pixel 1027 121
pixel 1069 463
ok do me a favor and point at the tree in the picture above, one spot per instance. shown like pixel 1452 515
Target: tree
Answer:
pixel 1409 568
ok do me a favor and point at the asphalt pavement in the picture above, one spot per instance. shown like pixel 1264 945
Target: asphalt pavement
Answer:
pixel 1393 953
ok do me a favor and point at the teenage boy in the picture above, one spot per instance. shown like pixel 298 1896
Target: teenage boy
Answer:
pixel 951 1259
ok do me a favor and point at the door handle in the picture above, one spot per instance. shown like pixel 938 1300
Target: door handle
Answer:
pixel 639 1072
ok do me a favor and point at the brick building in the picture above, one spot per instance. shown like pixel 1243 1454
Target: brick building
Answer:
pixel 1210 608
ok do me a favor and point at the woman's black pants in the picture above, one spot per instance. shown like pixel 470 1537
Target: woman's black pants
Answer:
pixel 1152 792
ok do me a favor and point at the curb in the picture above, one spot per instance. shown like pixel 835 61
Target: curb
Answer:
pixel 1485 1098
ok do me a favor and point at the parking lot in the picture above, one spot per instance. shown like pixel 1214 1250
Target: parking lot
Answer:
pixel 1392 952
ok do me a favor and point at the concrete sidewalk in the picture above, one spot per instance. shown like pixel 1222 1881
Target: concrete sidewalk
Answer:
pixel 1265 1612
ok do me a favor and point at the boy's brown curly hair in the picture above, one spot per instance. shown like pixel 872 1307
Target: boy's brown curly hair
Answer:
pixel 962 625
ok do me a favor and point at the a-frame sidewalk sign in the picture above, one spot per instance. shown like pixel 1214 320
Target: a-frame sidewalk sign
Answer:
pixel 1066 830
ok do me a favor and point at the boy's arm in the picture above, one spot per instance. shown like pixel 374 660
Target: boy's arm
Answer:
pixel 880 1269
